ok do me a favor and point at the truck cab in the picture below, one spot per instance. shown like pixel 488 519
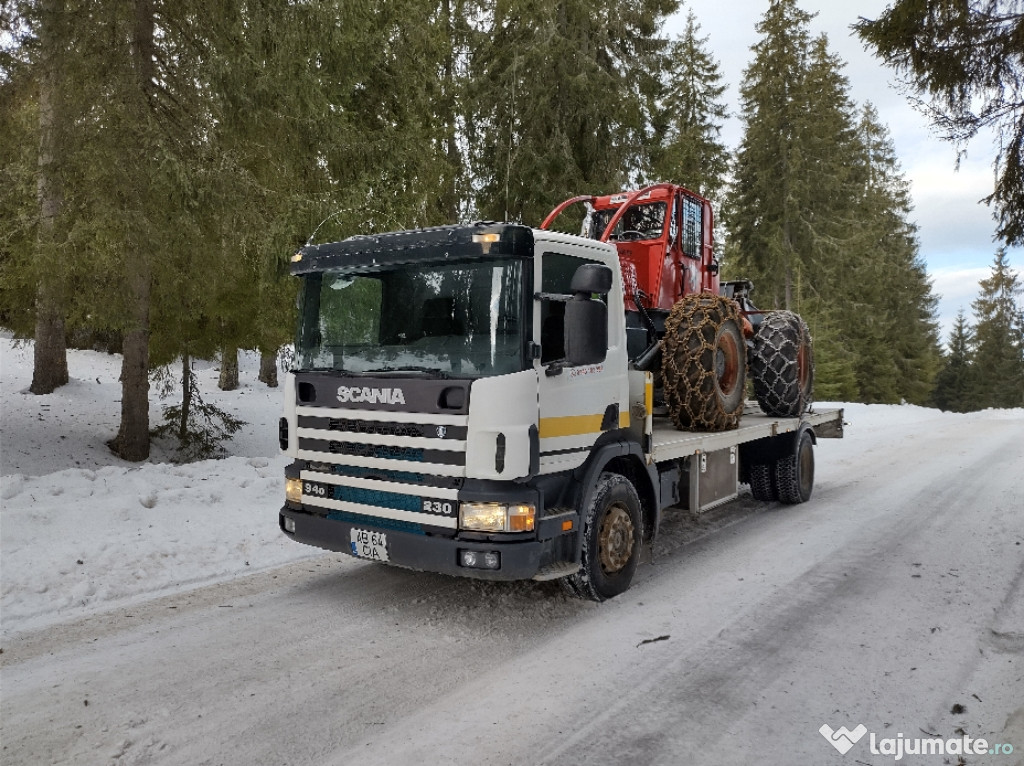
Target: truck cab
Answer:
pixel 446 389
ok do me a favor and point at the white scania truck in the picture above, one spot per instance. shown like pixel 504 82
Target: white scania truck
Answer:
pixel 505 402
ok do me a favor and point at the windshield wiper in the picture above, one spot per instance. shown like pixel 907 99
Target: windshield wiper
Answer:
pixel 432 371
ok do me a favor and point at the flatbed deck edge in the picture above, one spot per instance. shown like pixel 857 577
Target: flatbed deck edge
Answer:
pixel 670 444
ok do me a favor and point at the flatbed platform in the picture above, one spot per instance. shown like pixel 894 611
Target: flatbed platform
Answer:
pixel 670 444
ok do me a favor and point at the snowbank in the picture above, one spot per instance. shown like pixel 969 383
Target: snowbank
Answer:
pixel 82 531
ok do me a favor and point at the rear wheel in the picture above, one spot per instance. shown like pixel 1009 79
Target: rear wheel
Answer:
pixel 782 365
pixel 611 541
pixel 794 473
pixel 762 482
pixel 704 363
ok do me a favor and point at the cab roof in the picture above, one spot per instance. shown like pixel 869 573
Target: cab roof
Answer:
pixel 480 240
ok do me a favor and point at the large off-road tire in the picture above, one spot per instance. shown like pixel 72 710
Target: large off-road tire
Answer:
pixel 782 365
pixel 612 529
pixel 793 474
pixel 703 363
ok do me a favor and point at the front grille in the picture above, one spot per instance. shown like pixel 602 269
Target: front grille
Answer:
pixel 354 468
pixel 369 427
pixel 381 451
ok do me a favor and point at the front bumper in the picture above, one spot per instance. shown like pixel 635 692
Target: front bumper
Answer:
pixel 520 559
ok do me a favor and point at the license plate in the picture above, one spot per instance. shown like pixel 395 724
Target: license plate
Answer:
pixel 369 545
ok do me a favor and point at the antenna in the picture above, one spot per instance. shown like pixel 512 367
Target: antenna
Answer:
pixel 511 127
pixel 332 215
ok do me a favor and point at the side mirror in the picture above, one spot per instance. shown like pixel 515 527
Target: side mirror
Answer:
pixel 591 278
pixel 586 319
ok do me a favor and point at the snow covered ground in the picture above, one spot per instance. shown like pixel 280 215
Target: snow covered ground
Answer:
pixel 82 530
pixel 154 613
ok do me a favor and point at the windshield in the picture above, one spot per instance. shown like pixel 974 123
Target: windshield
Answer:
pixel 460 319
pixel 639 222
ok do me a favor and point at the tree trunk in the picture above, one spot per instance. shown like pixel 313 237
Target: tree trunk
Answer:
pixel 228 369
pixel 186 397
pixel 50 358
pixel 132 440
pixel 453 164
pixel 268 368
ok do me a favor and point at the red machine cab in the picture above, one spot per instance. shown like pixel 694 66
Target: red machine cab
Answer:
pixel 663 234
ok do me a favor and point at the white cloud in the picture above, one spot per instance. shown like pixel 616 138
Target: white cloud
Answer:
pixel 954 229
pixel 956 288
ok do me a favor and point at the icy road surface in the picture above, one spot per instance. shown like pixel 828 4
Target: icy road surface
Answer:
pixel 894 600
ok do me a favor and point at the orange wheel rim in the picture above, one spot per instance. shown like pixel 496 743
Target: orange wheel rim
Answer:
pixel 803 366
pixel 727 363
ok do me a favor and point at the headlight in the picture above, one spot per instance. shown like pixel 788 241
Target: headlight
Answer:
pixel 293 491
pixel 496 517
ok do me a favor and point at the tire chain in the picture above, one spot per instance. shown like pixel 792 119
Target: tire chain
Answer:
pixel 773 364
pixel 688 366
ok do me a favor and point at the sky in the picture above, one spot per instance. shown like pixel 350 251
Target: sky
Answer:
pixel 955 230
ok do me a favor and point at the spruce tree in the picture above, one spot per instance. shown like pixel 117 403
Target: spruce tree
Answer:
pixel 790 215
pixel 967 57
pixel 955 382
pixel 999 338
pixel 132 440
pixel 764 201
pixel 819 218
pixel 892 316
pixel 687 121
pixel 50 361
pixel 559 101
pixel 19 212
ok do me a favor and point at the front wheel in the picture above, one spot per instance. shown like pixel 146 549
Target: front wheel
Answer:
pixel 611 541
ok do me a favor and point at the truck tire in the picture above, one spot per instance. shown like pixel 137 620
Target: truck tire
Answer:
pixel 782 365
pixel 703 363
pixel 612 530
pixel 794 473
pixel 762 482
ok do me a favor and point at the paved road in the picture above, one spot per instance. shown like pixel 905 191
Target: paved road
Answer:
pixel 893 598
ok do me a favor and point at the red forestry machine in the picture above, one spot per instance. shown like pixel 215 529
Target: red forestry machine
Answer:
pixel 700 333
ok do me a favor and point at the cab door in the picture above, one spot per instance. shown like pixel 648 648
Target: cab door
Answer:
pixel 577 404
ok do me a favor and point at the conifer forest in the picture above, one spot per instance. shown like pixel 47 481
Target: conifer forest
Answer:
pixel 161 161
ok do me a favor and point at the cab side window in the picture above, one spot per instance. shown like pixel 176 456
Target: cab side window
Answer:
pixel 557 270
pixel 693 227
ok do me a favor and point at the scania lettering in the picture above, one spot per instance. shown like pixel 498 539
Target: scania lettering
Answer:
pixel 504 402
pixel 371 395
